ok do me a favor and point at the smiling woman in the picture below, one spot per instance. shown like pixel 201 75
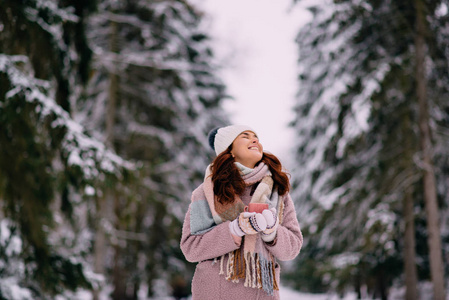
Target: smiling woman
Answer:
pixel 237 250
pixel 246 149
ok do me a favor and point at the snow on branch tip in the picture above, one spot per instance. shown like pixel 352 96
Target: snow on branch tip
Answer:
pixel 90 154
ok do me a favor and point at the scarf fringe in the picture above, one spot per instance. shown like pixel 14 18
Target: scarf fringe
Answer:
pixel 221 264
pixel 258 271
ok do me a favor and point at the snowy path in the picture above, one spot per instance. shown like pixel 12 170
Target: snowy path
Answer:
pixel 289 294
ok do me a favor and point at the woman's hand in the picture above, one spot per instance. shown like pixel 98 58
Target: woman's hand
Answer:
pixel 248 223
pixel 272 221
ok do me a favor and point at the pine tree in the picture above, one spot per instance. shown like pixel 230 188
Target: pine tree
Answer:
pixel 48 164
pixel 357 123
pixel 153 96
pixel 103 139
pixel 430 192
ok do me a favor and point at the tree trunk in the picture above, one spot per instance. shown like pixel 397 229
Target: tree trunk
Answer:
pixel 100 240
pixel 140 213
pixel 430 194
pixel 411 278
pixel 410 272
pixel 118 276
pixel 113 90
pixel 381 286
pixel 105 202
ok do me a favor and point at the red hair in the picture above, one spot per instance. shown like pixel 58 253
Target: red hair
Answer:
pixel 228 182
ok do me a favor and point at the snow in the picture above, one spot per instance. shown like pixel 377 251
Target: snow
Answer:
pixel 89 191
pixel 286 293
pixel 290 294
pixel 341 261
pixel 82 150
pixel 11 244
pixel 12 269
pixel 54 13
pixel 11 289
pixel 442 10
pixel 361 108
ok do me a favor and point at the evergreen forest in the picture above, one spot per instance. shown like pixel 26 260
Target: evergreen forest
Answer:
pixel 105 107
pixel 371 153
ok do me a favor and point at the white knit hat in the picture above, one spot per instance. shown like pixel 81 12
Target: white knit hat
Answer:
pixel 221 138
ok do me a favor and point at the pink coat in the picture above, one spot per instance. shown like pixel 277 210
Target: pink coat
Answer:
pixel 203 248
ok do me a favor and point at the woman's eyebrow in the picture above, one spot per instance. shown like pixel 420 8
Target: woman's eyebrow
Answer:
pixel 248 134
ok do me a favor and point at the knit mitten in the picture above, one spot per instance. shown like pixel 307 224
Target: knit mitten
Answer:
pixel 248 223
pixel 272 220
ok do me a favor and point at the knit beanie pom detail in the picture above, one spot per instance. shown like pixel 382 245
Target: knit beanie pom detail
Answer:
pixel 211 137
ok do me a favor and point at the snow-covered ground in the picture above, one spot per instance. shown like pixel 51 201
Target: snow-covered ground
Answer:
pixel 395 293
pixel 289 294
pixel 286 294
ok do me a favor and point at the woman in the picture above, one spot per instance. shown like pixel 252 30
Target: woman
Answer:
pixel 236 250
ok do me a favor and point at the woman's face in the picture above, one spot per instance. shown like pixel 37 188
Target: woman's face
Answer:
pixel 246 149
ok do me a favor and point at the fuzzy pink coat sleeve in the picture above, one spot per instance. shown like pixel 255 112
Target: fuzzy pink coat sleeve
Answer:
pixel 289 239
pixel 208 245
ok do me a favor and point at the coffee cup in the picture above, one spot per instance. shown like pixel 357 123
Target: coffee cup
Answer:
pixel 256 207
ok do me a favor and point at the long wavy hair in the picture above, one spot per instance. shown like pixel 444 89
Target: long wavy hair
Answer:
pixel 228 182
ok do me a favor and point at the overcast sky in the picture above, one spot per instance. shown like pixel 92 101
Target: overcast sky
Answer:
pixel 254 41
